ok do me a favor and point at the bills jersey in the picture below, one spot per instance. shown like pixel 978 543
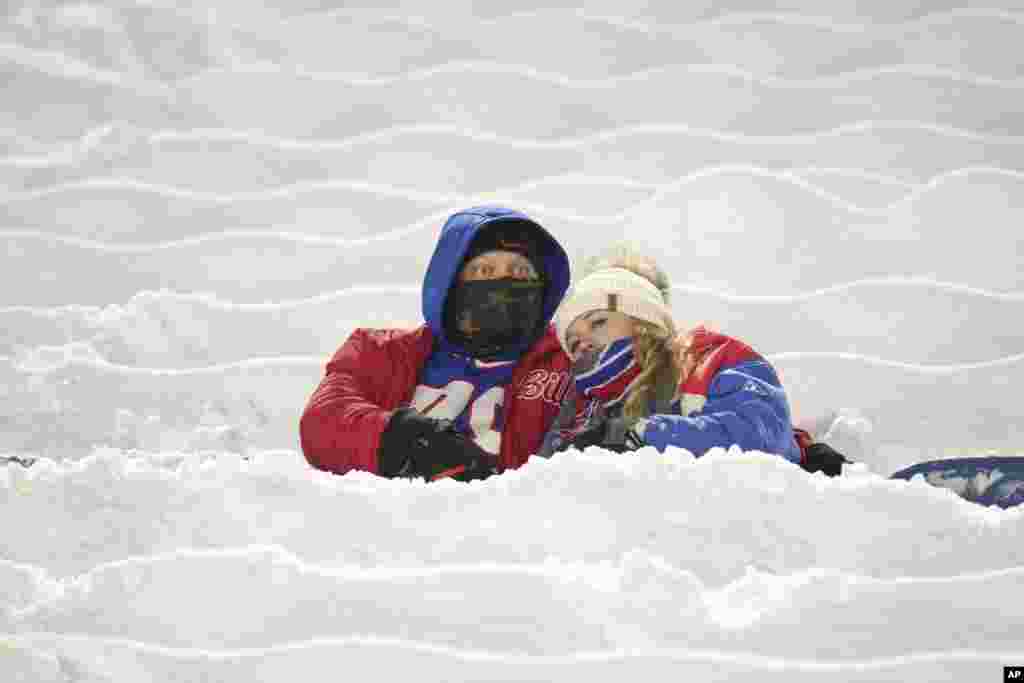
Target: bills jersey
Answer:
pixel 467 391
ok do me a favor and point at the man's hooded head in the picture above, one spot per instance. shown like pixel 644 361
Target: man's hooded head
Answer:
pixel 493 283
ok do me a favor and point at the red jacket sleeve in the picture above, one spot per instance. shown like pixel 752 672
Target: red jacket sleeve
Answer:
pixel 365 381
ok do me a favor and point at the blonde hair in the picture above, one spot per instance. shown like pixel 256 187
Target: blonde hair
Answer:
pixel 656 362
pixel 650 342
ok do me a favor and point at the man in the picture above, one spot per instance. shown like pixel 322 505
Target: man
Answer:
pixel 473 390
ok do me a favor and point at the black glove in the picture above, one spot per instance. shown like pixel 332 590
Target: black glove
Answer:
pixel 416 445
pixel 598 435
pixel 592 436
pixel 820 457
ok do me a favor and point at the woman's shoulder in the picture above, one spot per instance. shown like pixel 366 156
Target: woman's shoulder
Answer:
pixel 756 375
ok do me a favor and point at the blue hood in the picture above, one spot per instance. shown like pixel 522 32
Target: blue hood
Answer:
pixel 458 233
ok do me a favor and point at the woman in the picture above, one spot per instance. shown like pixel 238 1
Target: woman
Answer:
pixel 640 382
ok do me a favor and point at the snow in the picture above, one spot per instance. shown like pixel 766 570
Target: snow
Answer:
pixel 199 202
pixel 126 564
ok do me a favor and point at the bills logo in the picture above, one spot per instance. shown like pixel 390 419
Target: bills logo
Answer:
pixel 548 385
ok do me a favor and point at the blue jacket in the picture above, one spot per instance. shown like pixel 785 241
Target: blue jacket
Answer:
pixel 456 236
pixel 746 405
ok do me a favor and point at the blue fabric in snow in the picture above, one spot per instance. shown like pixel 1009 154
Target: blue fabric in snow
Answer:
pixel 987 481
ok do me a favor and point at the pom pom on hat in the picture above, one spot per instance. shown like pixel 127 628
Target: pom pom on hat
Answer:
pixel 614 289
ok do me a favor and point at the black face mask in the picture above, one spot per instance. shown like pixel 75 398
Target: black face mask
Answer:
pixel 490 318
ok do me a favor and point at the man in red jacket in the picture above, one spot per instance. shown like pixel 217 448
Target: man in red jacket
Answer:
pixel 471 392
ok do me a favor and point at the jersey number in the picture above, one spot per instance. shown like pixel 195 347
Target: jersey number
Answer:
pixel 449 401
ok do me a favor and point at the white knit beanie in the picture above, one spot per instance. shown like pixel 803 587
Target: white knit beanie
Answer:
pixel 614 289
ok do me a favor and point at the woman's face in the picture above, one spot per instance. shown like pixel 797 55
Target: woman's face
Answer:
pixel 596 330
